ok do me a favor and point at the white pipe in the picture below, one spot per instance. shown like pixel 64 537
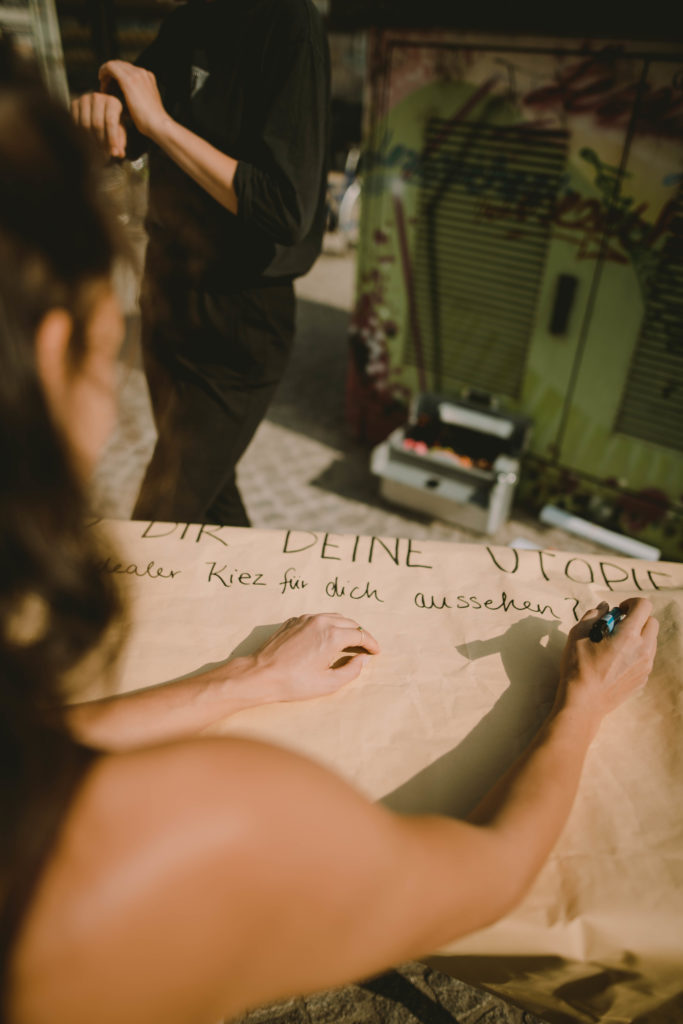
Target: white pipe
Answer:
pixel 553 516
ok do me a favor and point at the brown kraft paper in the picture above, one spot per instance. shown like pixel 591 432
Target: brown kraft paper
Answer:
pixel 471 638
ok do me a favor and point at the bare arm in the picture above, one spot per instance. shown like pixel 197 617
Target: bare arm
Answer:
pixel 295 664
pixel 102 114
pixel 401 887
pixel 279 193
pixel 273 877
pixel 594 679
pixel 387 888
pixel 208 166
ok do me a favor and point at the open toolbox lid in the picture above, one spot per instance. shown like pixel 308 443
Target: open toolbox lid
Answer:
pixel 469 430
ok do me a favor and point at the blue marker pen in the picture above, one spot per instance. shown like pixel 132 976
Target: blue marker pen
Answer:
pixel 605 624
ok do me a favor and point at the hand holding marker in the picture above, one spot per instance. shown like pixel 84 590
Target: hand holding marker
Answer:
pixel 605 624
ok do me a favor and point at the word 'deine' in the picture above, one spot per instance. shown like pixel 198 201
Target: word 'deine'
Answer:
pixel 351 548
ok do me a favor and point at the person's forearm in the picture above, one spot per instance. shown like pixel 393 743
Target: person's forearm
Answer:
pixel 529 806
pixel 208 166
pixel 308 656
pixel 173 710
pixel 482 868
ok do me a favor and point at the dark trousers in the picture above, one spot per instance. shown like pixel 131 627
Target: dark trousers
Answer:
pixel 213 363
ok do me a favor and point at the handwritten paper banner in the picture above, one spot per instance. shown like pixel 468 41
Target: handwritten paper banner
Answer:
pixel 471 638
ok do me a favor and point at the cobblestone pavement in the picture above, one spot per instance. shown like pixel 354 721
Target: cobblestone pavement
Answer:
pixel 302 469
pixel 412 994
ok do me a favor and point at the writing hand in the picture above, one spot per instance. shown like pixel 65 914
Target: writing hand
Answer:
pixel 598 677
pixel 140 91
pixel 313 655
pixel 101 115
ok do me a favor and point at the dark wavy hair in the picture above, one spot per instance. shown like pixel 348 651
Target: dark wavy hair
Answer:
pixel 55 605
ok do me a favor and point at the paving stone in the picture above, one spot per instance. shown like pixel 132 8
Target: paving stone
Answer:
pixel 411 994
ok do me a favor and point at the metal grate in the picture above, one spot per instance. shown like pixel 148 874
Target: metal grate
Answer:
pixel 652 403
pixel 488 194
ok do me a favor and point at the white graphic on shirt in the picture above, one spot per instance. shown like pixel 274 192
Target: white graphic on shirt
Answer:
pixel 198 77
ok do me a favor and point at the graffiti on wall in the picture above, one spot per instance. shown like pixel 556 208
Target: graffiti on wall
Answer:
pixel 593 86
pixel 619 122
pixel 610 225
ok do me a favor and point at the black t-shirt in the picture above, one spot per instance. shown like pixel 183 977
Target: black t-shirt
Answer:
pixel 252 78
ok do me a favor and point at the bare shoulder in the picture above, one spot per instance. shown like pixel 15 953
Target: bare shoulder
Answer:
pixel 148 880
pixel 172 862
pixel 195 880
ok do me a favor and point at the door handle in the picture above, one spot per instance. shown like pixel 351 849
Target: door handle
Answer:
pixel 565 293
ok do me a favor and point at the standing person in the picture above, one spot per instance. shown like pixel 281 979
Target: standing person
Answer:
pixel 231 101
pixel 149 873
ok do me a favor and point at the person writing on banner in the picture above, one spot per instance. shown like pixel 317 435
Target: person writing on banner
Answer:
pixel 231 102
pixel 148 873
